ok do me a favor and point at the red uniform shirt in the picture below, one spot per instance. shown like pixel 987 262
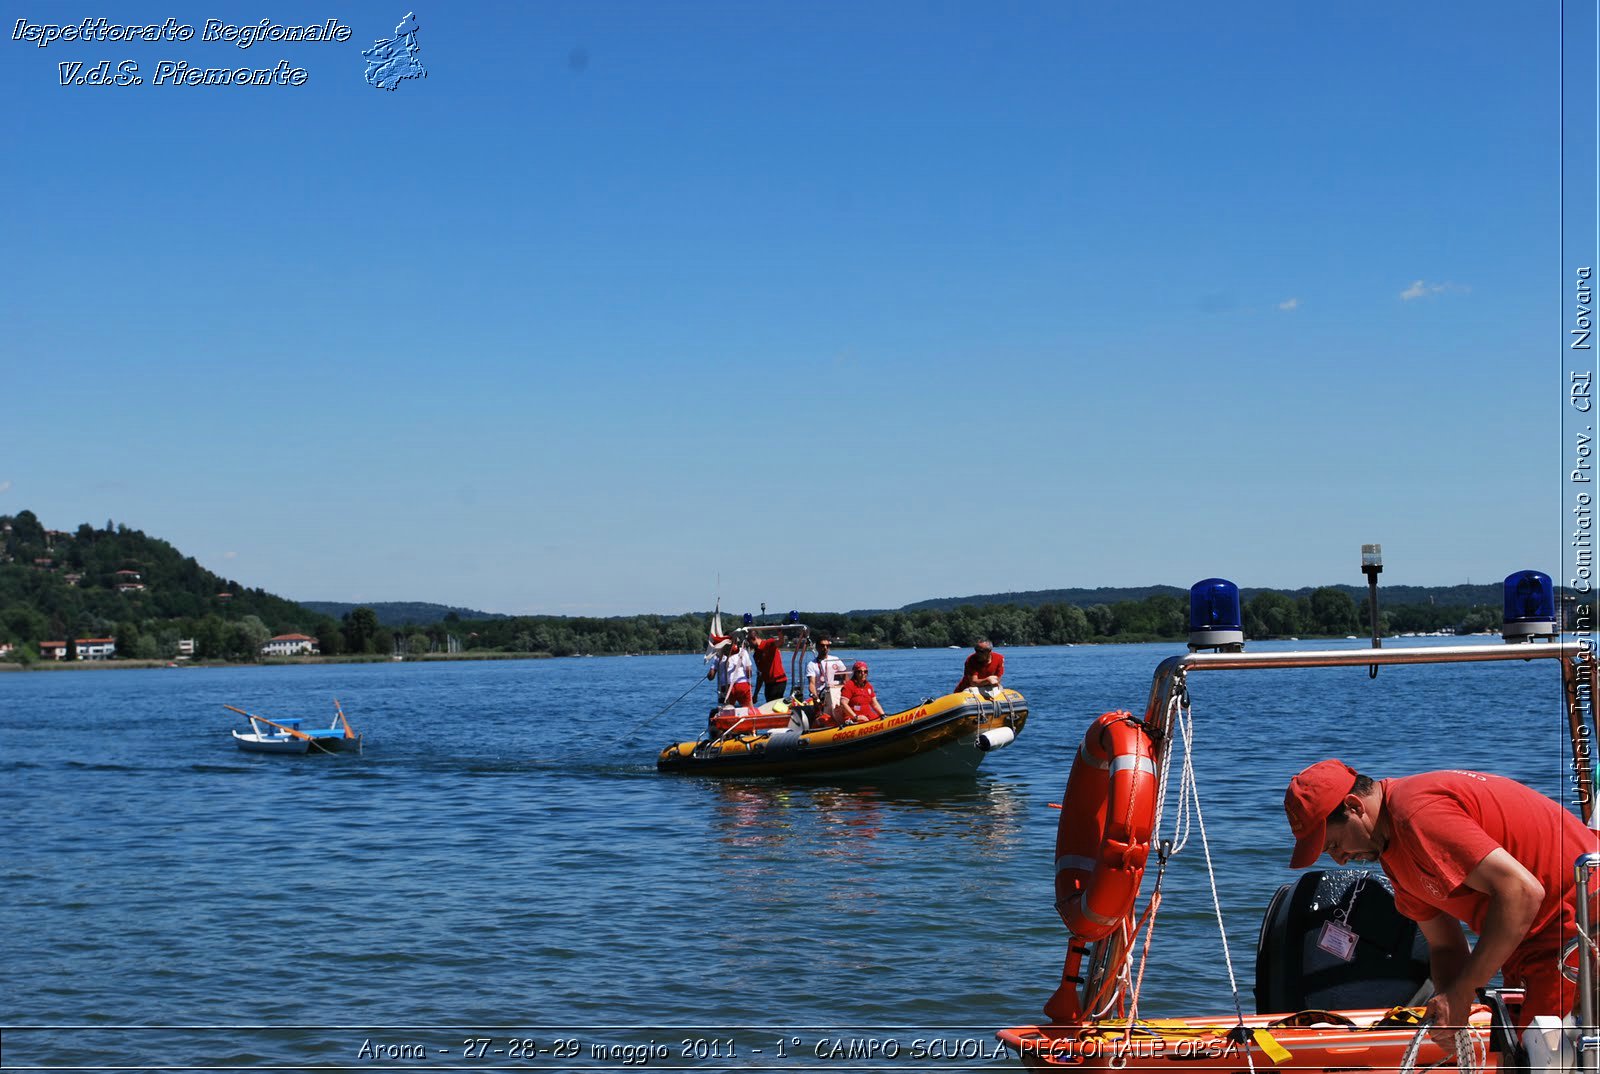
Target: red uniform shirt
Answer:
pixel 769 661
pixel 860 696
pixel 977 667
pixel 1443 824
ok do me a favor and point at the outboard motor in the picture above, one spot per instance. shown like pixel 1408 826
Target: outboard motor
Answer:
pixel 1333 940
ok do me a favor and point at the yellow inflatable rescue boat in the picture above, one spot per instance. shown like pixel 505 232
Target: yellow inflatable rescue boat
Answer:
pixel 946 735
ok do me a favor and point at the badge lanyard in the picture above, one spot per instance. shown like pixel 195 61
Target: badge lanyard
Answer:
pixel 1338 938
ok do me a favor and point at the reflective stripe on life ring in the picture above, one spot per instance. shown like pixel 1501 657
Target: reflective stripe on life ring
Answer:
pixel 1103 837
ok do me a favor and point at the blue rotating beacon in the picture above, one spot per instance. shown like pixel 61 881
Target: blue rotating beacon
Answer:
pixel 1215 621
pixel 1530 608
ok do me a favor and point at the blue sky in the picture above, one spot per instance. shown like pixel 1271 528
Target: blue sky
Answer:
pixel 846 305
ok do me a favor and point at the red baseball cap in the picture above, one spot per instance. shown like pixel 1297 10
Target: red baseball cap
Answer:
pixel 1311 796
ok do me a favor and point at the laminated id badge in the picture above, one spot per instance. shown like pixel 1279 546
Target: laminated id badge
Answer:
pixel 1338 941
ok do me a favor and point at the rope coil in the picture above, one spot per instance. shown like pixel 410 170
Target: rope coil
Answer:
pixel 1467 1058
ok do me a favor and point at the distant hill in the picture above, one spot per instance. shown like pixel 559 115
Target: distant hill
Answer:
pixel 99 582
pixel 1455 596
pixel 397 613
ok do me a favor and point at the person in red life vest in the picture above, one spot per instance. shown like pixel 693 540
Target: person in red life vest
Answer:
pixel 769 668
pixel 983 668
pixel 732 670
pixel 1460 847
pixel 858 694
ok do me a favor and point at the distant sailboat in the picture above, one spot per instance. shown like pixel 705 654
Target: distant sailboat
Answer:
pixel 716 637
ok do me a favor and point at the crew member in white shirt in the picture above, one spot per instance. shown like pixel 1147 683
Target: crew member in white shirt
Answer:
pixel 733 672
pixel 824 676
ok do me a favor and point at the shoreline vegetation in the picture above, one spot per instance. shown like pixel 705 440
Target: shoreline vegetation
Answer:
pixel 141 598
pixel 271 661
pixel 489 654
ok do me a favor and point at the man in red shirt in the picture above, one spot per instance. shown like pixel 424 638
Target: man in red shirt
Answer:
pixel 983 668
pixel 769 668
pixel 1460 847
pixel 860 695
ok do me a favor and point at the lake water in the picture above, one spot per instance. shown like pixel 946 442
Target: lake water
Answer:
pixel 503 863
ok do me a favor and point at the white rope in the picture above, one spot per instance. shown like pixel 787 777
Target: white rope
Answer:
pixel 1467 1056
pixel 626 735
pixel 1183 720
pixel 1164 850
pixel 1180 718
pixel 1124 976
pixel 1189 800
pixel 1176 716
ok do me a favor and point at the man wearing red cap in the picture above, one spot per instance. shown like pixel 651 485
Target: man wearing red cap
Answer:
pixel 984 667
pixel 1460 847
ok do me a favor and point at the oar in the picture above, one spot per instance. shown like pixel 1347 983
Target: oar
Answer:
pixel 348 733
pixel 269 723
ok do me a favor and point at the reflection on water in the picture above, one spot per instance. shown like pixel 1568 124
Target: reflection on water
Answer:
pixel 848 848
pixel 770 814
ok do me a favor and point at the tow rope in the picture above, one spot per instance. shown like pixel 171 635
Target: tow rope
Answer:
pixel 698 682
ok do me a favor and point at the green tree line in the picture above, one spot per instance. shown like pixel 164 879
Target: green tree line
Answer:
pixel 61 586
pixel 1324 612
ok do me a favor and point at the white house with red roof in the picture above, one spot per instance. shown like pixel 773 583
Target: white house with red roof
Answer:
pixel 88 649
pixel 97 648
pixel 291 645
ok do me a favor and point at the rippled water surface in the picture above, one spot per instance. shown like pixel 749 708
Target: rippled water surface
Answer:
pixel 503 861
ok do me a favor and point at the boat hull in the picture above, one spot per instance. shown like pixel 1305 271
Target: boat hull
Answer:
pixel 937 738
pixel 252 743
pixel 319 742
pixel 334 742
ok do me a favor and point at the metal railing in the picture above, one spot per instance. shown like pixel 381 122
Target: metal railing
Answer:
pixel 1576 658
pixel 1585 870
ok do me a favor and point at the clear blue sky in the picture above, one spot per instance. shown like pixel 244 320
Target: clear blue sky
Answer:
pixel 849 305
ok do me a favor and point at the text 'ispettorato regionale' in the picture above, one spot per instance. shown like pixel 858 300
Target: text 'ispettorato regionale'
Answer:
pixel 171 72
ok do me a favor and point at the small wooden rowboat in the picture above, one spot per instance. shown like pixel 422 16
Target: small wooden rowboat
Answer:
pixel 289 736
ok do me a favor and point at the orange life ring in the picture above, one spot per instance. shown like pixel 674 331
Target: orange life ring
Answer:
pixel 1107 816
